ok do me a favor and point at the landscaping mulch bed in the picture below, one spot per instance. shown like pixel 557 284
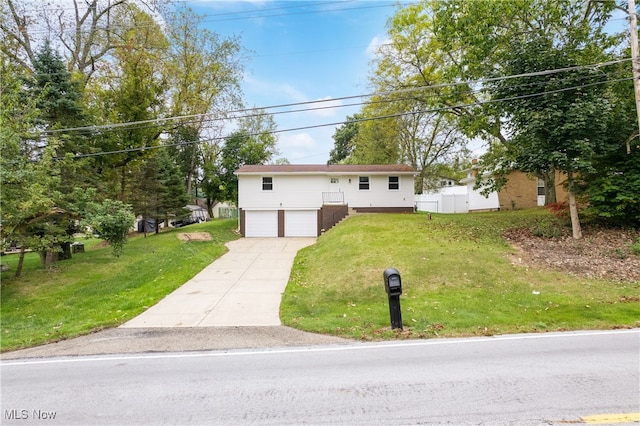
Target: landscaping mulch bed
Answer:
pixel 601 253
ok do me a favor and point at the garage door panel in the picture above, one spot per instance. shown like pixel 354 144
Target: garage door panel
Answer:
pixel 300 223
pixel 261 223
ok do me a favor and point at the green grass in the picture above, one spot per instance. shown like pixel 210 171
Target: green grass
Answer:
pixel 457 276
pixel 95 290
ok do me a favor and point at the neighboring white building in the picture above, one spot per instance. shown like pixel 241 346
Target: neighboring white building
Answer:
pixel 460 198
pixel 302 200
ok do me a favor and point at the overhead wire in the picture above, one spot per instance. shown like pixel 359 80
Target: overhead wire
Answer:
pixel 206 116
pixel 356 120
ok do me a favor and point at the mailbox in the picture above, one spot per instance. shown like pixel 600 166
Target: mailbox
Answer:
pixel 392 282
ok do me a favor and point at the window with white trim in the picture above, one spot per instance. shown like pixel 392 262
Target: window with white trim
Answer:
pixel 267 184
pixel 363 183
pixel 394 183
pixel 541 190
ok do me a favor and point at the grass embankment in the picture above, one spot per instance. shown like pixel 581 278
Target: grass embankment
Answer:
pixel 458 280
pixel 95 290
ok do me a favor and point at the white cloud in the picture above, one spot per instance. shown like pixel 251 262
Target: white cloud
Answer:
pixel 375 44
pixel 328 107
pixel 292 92
pixel 297 141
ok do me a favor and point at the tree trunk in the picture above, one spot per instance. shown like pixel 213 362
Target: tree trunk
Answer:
pixel 549 179
pixel 66 251
pixel 20 262
pixel 47 257
pixel 573 208
pixel 123 182
pixel 210 207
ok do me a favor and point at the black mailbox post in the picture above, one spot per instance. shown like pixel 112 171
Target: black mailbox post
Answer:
pixel 393 286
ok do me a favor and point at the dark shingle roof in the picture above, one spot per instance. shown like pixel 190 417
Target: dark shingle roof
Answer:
pixel 325 168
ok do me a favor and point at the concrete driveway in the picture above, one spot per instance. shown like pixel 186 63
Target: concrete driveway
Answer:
pixel 242 288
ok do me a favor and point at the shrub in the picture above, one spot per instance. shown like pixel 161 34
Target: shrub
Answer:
pixel 111 220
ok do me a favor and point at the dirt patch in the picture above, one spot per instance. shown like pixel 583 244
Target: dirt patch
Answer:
pixel 599 254
pixel 194 236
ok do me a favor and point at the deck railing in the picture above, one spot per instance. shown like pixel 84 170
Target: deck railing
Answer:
pixel 333 198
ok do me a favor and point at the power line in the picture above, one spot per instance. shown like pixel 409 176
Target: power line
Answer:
pixel 364 119
pixel 225 17
pixel 159 121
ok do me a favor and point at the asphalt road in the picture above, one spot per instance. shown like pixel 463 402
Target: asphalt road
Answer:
pixel 551 378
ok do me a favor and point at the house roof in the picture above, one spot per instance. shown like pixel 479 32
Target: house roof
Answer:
pixel 325 169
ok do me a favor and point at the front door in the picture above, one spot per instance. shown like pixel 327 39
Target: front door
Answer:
pixel 334 184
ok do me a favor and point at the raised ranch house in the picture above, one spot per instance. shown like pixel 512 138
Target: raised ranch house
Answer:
pixel 304 200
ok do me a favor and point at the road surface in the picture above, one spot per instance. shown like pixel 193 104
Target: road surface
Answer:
pixel 551 378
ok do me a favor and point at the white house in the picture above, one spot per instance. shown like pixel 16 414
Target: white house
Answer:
pixel 302 200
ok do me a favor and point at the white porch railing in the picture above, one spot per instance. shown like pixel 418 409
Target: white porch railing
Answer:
pixel 333 198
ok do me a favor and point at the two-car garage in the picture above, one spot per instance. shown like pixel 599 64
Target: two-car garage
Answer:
pixel 279 223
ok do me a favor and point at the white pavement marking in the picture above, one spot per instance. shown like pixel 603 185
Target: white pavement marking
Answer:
pixel 354 346
pixel 241 288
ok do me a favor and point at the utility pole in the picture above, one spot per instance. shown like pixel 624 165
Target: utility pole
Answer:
pixel 635 60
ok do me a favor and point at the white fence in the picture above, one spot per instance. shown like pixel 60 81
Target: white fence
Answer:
pixel 442 203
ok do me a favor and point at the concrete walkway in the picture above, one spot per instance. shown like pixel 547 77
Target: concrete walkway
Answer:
pixel 242 288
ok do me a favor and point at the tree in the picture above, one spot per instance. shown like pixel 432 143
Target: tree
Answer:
pixel 343 139
pixel 558 123
pixel 59 97
pixel 613 186
pixel 160 193
pixel 441 51
pixel 211 183
pixel 45 200
pixel 428 141
pixel 254 143
pixel 203 71
pixel 377 141
pixel 425 61
pixel 87 30
pixel 130 92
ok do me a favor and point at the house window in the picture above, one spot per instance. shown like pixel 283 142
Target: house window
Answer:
pixel 335 180
pixel 394 183
pixel 541 187
pixel 363 184
pixel 267 184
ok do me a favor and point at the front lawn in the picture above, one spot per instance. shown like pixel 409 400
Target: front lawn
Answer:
pixel 95 290
pixel 460 278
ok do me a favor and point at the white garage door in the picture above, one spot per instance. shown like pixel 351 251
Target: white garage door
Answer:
pixel 261 223
pixel 300 223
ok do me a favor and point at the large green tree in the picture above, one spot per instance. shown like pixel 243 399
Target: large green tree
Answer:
pixel 343 139
pixel 159 192
pixel 556 123
pixel 461 57
pixel 612 188
pixel 203 70
pixel 254 143
pixel 127 99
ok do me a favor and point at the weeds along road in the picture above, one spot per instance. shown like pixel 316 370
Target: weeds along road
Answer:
pixel 550 378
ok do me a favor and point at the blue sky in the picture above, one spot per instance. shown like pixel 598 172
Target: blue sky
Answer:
pixel 303 51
